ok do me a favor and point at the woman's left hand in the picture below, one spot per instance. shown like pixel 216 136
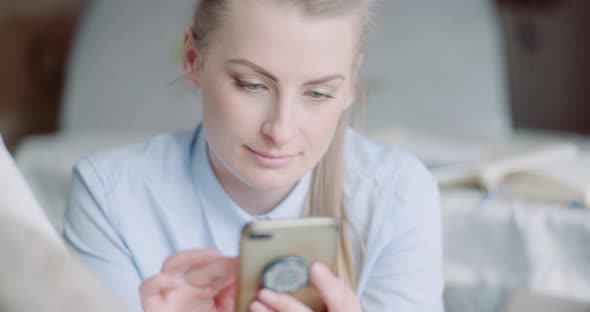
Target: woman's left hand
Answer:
pixel 336 295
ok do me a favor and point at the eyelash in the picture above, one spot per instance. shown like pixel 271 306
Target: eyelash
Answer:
pixel 246 87
pixel 322 96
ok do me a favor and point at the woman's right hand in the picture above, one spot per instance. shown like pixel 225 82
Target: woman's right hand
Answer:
pixel 192 281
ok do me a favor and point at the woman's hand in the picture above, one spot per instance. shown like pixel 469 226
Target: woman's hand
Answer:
pixel 196 280
pixel 336 295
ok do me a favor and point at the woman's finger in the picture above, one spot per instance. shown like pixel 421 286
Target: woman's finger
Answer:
pixel 257 306
pixel 336 295
pixel 216 275
pixel 278 302
pixel 160 283
pixel 153 290
pixel 184 260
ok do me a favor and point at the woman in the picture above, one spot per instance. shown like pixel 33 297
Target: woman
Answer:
pixel 277 80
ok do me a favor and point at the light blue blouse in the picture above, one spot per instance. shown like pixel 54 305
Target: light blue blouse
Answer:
pixel 133 207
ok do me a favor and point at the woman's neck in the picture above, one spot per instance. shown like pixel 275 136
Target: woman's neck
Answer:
pixel 252 201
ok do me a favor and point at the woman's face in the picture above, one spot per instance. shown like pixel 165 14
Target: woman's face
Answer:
pixel 274 85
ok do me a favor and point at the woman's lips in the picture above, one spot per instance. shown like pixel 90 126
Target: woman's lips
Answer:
pixel 269 160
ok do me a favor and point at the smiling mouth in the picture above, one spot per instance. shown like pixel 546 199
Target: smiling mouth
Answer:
pixel 271 156
pixel 271 161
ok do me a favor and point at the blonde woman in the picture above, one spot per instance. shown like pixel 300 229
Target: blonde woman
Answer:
pixel 160 221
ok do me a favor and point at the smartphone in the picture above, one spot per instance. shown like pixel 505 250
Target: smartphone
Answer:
pixel 277 254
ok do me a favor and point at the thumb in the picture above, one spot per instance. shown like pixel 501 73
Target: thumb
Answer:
pixel 336 295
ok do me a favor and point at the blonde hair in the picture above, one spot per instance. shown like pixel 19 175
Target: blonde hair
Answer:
pixel 325 197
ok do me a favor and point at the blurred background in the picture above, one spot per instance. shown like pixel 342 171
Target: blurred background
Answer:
pixel 448 80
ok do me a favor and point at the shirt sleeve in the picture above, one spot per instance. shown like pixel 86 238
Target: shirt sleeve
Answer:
pixel 407 272
pixel 91 235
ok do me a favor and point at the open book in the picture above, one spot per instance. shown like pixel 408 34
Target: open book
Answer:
pixel 555 172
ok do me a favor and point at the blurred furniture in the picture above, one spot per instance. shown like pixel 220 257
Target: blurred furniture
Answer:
pixel 35 38
pixel 494 245
pixel 548 54
pixel 528 302
pixel 437 66
pixel 125 71
pixel 477 298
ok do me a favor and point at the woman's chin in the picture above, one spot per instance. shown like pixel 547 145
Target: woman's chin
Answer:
pixel 265 179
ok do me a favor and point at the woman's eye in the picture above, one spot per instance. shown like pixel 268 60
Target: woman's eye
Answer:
pixel 318 95
pixel 249 85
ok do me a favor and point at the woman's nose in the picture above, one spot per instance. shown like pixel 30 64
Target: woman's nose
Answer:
pixel 279 125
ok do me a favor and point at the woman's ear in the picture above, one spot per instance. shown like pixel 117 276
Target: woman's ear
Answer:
pixel 190 60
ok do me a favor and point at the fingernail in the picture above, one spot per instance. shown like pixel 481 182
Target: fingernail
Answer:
pixel 268 296
pixel 319 269
pixel 256 306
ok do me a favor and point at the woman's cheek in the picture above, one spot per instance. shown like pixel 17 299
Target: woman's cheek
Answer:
pixel 323 124
pixel 227 106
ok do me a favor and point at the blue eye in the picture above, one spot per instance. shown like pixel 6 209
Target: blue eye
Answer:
pixel 249 86
pixel 253 86
pixel 318 95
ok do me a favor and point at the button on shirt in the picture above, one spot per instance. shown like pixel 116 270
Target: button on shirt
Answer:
pixel 132 208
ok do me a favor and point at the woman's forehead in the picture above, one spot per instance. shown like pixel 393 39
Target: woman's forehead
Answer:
pixel 282 37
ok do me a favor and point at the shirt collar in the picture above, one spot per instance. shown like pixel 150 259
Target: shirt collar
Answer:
pixel 224 217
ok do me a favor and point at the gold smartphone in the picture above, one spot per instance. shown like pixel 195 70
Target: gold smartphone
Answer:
pixel 277 255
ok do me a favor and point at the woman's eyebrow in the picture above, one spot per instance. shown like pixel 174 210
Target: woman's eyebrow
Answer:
pixel 264 72
pixel 255 68
pixel 325 79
